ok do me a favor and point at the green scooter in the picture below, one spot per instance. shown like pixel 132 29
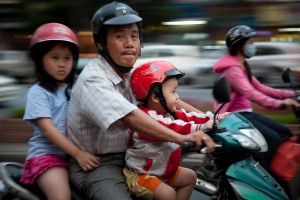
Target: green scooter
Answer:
pixel 231 171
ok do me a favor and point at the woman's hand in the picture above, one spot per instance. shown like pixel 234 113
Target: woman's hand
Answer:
pixel 290 102
pixel 87 161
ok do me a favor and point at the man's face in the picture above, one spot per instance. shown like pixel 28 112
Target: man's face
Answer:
pixel 123 44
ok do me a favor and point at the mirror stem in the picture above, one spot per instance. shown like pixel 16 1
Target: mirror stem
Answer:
pixel 215 115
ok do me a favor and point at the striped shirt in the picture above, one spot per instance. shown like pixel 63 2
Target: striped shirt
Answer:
pixel 160 158
pixel 100 98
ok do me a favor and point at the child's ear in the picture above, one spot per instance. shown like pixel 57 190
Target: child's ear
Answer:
pixel 154 98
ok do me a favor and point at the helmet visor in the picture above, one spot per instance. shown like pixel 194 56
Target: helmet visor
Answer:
pixel 121 19
pixel 174 73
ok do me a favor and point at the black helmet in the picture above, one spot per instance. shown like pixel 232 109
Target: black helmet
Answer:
pixel 114 13
pixel 238 34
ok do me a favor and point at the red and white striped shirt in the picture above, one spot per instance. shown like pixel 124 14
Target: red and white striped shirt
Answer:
pixel 156 157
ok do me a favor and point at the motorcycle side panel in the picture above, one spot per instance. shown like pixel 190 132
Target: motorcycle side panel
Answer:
pixel 196 195
pixel 234 122
pixel 250 180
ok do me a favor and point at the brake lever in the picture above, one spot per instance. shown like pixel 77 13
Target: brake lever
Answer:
pixel 204 150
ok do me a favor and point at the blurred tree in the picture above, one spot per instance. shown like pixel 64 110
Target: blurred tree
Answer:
pixel 77 13
pixel 39 12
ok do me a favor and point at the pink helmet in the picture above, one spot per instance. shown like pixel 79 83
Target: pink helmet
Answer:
pixel 53 32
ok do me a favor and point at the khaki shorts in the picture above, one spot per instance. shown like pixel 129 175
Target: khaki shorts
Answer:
pixel 144 185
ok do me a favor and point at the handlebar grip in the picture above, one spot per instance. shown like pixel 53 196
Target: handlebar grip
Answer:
pixel 204 150
pixel 187 145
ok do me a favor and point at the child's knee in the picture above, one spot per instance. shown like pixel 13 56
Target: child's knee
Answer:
pixel 190 175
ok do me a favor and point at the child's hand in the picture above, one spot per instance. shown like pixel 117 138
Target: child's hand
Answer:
pixel 223 115
pixel 87 161
pixel 208 125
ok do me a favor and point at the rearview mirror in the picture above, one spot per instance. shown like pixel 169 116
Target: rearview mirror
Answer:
pixel 286 75
pixel 221 90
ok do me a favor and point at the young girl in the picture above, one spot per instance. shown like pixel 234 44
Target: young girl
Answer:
pixel 54 49
pixel 152 166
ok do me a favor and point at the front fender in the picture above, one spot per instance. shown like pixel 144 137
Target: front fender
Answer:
pixel 251 181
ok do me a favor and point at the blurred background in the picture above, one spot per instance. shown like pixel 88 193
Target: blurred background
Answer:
pixel 188 33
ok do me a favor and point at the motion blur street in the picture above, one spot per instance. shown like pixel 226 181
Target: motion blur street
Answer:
pixel 190 34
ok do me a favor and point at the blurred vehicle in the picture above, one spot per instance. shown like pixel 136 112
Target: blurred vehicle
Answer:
pixel 184 57
pixel 83 60
pixel 16 64
pixel 9 89
pixel 268 63
pixel 272 58
pixel 162 50
pixel 187 58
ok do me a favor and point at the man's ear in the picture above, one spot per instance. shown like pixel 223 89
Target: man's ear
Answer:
pixel 154 98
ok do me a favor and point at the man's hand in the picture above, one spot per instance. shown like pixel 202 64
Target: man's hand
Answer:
pixel 200 138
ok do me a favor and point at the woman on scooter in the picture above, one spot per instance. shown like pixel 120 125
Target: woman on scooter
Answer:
pixel 246 89
pixel 54 49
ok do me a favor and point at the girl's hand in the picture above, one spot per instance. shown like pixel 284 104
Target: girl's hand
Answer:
pixel 87 161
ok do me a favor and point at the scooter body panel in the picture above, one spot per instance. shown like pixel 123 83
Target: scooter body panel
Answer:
pixel 251 181
pixel 234 122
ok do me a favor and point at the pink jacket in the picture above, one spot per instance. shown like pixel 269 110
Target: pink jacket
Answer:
pixel 243 92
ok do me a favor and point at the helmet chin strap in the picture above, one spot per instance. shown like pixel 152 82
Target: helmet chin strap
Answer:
pixel 163 101
pixel 104 52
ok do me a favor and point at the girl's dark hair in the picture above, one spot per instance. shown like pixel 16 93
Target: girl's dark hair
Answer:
pixel 233 51
pixel 38 51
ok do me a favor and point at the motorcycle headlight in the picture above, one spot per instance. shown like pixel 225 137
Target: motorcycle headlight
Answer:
pixel 246 142
pixel 255 136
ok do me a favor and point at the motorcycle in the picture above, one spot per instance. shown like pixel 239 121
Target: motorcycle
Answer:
pixel 286 163
pixel 231 171
pixel 10 173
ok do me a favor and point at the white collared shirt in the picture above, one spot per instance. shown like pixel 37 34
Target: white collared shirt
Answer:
pixel 100 98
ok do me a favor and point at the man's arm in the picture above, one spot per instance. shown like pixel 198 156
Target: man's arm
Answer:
pixel 143 123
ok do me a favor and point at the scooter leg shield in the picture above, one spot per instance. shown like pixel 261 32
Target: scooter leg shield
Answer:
pixel 251 181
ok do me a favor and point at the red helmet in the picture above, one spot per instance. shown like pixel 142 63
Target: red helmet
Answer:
pixel 144 76
pixel 53 31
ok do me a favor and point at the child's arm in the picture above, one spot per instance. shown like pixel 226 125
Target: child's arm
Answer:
pixel 86 160
pixel 183 105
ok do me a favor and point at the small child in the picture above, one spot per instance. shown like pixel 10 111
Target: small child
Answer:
pixel 152 166
pixel 54 49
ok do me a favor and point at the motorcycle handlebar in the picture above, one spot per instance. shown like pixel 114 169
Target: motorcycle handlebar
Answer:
pixel 187 145
pixel 190 145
